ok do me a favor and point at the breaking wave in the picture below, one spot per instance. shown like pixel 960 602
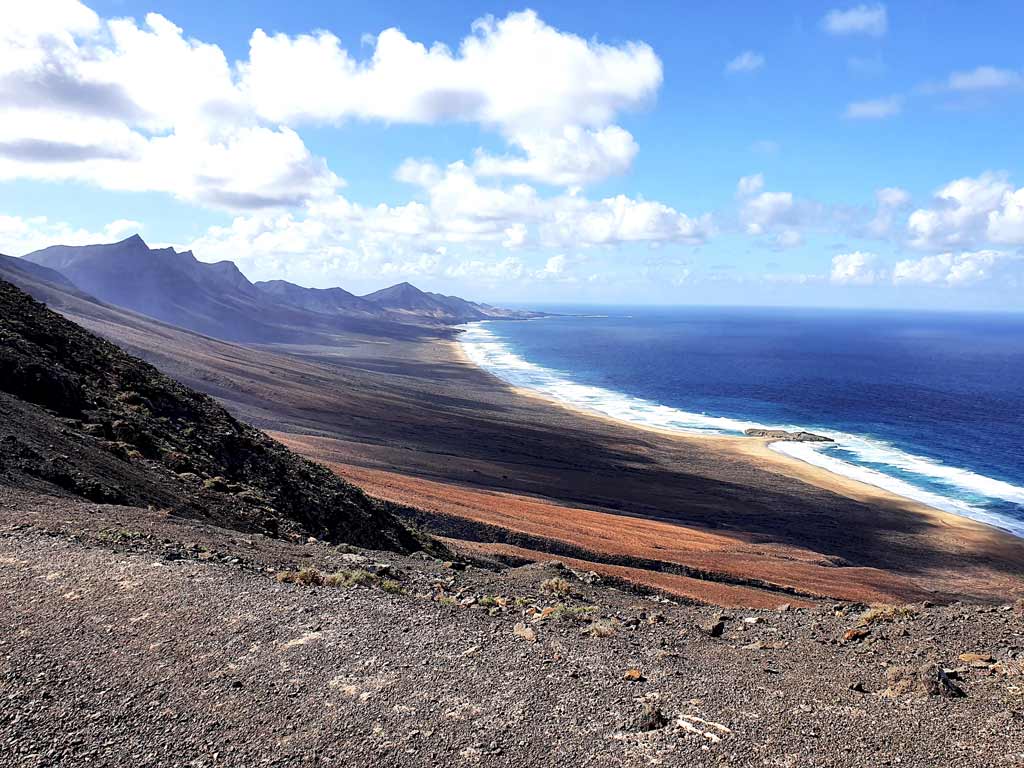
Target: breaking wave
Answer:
pixel 864 459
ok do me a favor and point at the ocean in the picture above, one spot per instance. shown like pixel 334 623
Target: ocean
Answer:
pixel 929 406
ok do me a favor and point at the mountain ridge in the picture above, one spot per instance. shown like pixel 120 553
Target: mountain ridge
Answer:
pixel 217 299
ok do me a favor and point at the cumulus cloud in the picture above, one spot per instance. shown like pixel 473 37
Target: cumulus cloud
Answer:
pixel 570 157
pixel 968 211
pixel 20 235
pixel 142 106
pixel 503 74
pixel 779 217
pixel 575 220
pixel 959 269
pixel 139 108
pixel 763 211
pixel 890 203
pixel 457 213
pixel 872 20
pixel 1006 222
pixel 748 61
pixel 856 268
pixel 874 109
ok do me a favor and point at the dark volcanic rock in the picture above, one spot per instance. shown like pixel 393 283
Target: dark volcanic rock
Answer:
pixel 781 434
pixel 79 416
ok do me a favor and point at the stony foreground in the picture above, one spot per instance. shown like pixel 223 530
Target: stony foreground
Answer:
pixel 132 638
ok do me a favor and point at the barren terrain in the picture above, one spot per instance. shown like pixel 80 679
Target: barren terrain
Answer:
pixel 135 638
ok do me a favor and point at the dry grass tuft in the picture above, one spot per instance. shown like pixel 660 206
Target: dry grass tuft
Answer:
pixel 882 612
pixel 556 586
pixel 603 628
pixel 572 613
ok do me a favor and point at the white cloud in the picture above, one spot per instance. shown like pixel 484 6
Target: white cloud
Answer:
pixel 874 109
pixel 748 61
pixel 553 269
pixel 19 235
pixel 890 201
pixel 749 185
pixel 856 268
pixel 574 220
pixel 985 79
pixel 516 72
pixel 571 157
pixel 870 20
pixel 139 108
pixel 766 210
pixel 965 268
pixel 551 94
pixel 969 211
pixel 144 107
pixel 457 215
pixel 1006 223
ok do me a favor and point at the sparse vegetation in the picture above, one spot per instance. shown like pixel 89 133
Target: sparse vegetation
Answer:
pixel 556 586
pixel 603 628
pixel 572 613
pixel 884 612
pixel 355 577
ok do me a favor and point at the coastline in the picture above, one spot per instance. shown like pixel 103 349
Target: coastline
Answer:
pixel 758 451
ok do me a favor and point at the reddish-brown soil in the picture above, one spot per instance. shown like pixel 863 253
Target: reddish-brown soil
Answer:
pixel 733 571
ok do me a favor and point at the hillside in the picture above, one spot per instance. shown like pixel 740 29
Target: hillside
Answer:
pixel 327 300
pixel 406 299
pixel 127 434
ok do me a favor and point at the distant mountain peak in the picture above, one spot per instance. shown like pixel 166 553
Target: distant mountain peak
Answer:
pixel 135 239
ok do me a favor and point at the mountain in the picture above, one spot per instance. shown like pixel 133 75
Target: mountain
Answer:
pixel 219 301
pixel 212 299
pixel 325 300
pixel 79 417
pixel 406 299
pixel 162 283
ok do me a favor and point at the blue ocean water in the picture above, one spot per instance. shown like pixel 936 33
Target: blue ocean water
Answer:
pixel 927 405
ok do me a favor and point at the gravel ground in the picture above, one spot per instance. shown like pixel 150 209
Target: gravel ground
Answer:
pixel 133 638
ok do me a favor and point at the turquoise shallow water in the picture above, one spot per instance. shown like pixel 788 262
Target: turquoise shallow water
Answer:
pixel 927 405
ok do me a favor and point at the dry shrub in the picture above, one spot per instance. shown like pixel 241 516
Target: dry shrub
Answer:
pixel 883 612
pixel 556 586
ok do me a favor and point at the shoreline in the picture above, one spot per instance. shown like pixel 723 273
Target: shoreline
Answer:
pixel 759 451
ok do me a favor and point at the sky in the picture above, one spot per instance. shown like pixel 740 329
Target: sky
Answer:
pixel 750 153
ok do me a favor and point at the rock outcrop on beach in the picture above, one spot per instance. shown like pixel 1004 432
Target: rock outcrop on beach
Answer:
pixel 784 436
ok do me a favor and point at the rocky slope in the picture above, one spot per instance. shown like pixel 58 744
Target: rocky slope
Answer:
pixel 79 417
pixel 133 638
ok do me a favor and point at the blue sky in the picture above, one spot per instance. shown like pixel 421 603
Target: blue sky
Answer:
pixel 751 153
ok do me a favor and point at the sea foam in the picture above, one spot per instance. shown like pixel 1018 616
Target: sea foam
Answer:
pixel 490 352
